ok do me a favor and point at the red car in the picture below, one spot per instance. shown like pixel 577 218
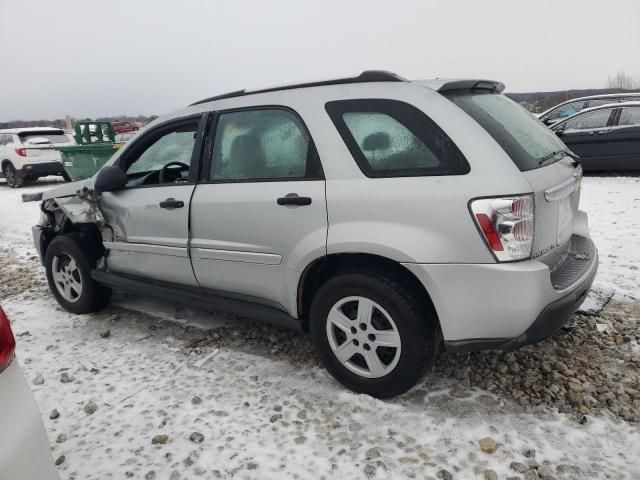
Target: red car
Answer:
pixel 125 127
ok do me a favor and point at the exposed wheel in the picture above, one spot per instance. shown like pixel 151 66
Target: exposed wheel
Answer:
pixel 372 334
pixel 68 263
pixel 12 178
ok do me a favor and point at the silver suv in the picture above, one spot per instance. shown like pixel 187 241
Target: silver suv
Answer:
pixel 386 217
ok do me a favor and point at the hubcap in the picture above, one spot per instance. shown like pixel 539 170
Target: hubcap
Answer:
pixel 363 337
pixel 67 277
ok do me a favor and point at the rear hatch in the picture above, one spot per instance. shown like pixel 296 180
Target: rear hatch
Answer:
pixel 40 147
pixel 549 166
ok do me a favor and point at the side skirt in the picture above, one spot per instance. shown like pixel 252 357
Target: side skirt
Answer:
pixel 194 297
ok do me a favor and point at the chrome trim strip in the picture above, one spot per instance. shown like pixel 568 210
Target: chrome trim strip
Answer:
pixel 236 256
pixel 562 190
pixel 147 248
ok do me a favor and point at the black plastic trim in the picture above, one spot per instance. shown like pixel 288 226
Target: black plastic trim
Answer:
pixel 196 297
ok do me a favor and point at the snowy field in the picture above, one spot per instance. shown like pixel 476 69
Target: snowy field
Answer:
pixel 138 405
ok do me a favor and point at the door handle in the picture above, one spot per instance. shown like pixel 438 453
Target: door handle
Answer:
pixel 171 203
pixel 294 199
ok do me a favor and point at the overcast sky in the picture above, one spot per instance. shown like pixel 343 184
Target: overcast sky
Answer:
pixel 93 58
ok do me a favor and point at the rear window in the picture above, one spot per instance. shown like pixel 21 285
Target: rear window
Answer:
pixel 528 142
pixel 389 138
pixel 35 137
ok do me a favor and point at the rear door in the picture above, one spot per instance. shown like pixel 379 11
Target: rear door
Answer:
pixel 259 215
pixel 624 140
pixel 586 134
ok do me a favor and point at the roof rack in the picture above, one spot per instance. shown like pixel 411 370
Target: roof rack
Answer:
pixel 366 76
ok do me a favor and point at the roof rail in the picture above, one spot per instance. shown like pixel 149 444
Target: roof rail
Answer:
pixel 366 76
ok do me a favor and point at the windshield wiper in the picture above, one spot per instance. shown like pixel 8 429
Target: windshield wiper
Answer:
pixel 573 156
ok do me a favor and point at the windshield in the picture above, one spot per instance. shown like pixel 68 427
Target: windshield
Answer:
pixel 52 137
pixel 528 142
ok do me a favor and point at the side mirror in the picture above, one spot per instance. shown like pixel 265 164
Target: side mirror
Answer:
pixel 559 130
pixel 109 179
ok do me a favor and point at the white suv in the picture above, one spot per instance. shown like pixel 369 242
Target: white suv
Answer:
pixel 386 217
pixel 29 153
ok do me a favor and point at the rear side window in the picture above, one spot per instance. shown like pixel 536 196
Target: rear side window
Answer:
pixel 262 144
pixel 528 142
pixel 589 120
pixel 630 116
pixel 389 138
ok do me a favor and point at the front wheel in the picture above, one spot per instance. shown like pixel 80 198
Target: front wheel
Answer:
pixel 372 334
pixel 68 263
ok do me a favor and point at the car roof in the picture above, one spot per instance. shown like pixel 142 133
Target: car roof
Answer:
pixel 599 107
pixel 593 97
pixel 32 129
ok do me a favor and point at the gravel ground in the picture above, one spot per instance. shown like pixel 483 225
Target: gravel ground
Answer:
pixel 586 374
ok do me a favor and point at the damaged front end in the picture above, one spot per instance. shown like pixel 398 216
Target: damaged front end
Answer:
pixel 79 212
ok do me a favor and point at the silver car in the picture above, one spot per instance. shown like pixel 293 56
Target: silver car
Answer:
pixel 24 448
pixel 385 217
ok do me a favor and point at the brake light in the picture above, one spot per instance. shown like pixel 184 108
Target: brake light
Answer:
pixel 506 223
pixel 21 151
pixel 7 341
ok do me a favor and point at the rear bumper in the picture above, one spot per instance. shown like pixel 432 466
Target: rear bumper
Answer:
pixel 41 169
pixel 506 306
pixel 24 447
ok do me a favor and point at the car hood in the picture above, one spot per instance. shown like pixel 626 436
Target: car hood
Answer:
pixel 68 189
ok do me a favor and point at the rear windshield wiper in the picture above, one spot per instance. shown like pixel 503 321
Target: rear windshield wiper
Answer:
pixel 573 156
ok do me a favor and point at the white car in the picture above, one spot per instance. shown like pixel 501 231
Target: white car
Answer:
pixel 29 153
pixel 24 448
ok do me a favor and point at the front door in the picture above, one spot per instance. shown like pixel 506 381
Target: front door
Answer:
pixel 586 135
pixel 150 217
pixel 259 216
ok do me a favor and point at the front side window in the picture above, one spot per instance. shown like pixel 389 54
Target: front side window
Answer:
pixel 630 116
pixel 565 111
pixel 389 138
pixel 589 120
pixel 262 144
pixel 166 159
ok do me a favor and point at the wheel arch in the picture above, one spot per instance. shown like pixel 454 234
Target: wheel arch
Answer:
pixel 322 269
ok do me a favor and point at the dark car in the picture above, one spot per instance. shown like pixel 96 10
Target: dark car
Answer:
pixel 605 137
pixel 575 105
pixel 125 127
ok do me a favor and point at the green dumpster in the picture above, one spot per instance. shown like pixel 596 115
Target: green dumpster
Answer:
pixel 83 161
pixel 95 147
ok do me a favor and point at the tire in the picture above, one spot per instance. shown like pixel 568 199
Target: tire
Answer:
pixel 13 180
pixel 68 263
pixel 396 312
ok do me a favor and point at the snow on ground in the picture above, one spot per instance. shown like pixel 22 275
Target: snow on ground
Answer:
pixel 264 415
pixel 265 418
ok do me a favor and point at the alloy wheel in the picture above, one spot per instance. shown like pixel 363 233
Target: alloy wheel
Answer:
pixel 67 277
pixel 363 337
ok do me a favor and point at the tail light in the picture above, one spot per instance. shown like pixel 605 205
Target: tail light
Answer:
pixel 21 151
pixel 7 342
pixel 506 223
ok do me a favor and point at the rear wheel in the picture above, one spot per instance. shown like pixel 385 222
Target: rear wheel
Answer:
pixel 68 262
pixel 12 178
pixel 373 335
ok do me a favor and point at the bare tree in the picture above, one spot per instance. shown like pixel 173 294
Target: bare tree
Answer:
pixel 623 81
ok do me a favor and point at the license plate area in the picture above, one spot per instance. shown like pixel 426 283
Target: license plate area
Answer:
pixel 565 220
